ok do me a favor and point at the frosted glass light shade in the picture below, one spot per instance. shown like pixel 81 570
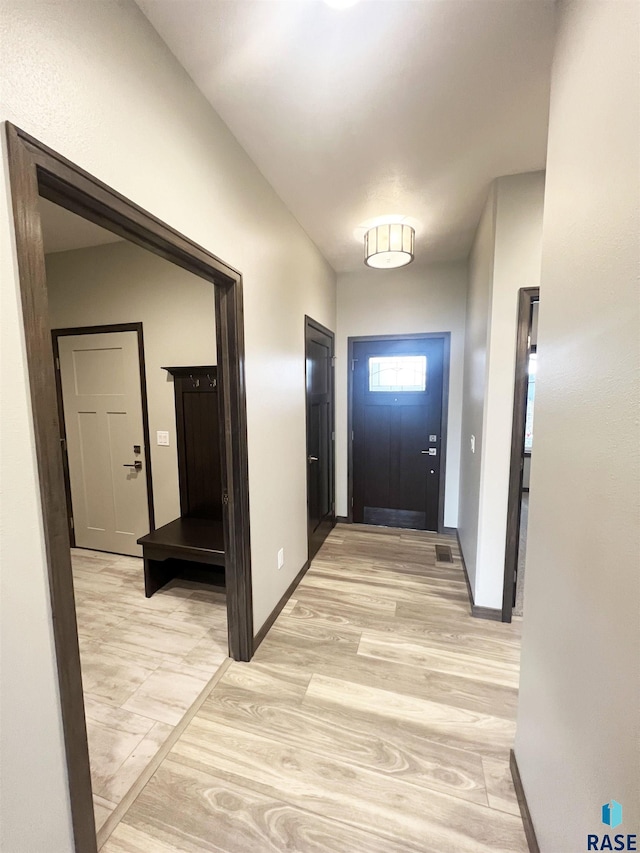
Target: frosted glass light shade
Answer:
pixel 389 246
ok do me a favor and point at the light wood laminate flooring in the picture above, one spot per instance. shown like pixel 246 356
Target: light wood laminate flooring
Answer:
pixel 144 662
pixel 376 717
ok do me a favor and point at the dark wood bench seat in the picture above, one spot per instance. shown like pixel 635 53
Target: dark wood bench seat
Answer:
pixel 171 550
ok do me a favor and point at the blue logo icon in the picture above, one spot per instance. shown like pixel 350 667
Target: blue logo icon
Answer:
pixel 612 814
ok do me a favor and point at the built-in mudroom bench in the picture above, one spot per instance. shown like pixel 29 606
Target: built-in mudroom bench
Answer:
pixel 191 546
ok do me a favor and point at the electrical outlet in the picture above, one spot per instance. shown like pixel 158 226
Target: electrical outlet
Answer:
pixel 281 558
pixel 473 444
pixel 162 438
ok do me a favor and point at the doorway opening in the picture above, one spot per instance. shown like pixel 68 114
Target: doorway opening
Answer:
pixel 145 658
pixel 521 451
pixel 397 430
pixel 37 172
pixel 319 378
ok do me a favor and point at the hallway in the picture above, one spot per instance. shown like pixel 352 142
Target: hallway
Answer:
pixel 376 716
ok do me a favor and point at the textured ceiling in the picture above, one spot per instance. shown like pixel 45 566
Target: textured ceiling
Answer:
pixel 407 107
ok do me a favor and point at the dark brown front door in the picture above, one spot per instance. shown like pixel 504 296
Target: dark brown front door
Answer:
pixel 397 431
pixel 320 434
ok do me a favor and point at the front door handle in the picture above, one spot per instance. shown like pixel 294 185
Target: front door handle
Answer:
pixel 312 458
pixel 137 465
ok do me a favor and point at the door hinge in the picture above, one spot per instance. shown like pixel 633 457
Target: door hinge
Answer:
pixel 225 498
pixel 333 436
pixel 57 363
pixel 352 435
pixel 63 442
pixel 71 524
pixel 333 360
pixel 353 363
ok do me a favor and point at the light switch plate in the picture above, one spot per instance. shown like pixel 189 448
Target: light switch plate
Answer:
pixel 473 444
pixel 281 558
pixel 163 438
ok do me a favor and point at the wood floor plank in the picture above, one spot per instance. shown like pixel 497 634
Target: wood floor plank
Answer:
pixel 102 808
pixel 168 692
pixel 153 633
pixel 388 592
pixel 417 610
pixel 330 642
pixel 377 715
pixel 115 786
pixel 113 735
pixel 290 684
pixel 346 793
pixel 127 838
pixel 111 674
pixel 367 605
pixel 463 663
pixel 471 730
pixel 384 576
pixel 143 663
pixel 186 810
pixel 288 646
pixel 364 597
pixel 438 634
pixel 414 564
pixel 499 781
pixel 370 742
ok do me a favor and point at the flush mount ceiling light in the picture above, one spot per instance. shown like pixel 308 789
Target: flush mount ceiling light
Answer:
pixel 389 246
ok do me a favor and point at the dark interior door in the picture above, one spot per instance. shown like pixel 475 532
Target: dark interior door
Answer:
pixel 320 434
pixel 397 432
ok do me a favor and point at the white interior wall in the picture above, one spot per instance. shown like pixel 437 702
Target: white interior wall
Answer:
pixel 95 82
pixel 505 257
pixel 123 283
pixel 393 302
pixel 475 381
pixel 578 728
pixel 516 264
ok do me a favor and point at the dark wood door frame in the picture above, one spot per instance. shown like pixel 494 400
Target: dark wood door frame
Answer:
pixel 56 334
pixel 446 357
pixel 36 170
pixel 310 323
pixel 526 297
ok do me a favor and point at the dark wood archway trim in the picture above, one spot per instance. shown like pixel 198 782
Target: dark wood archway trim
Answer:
pixel 36 170
pixel 526 297
pixel 446 360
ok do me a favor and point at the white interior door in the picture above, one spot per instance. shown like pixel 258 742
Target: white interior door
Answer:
pixel 103 419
